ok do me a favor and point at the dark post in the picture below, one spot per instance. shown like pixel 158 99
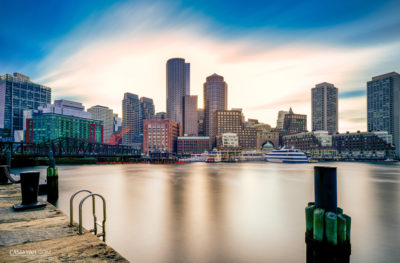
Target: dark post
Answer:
pixel 29 190
pixel 3 174
pixel 325 188
pixel 8 158
pixel 52 180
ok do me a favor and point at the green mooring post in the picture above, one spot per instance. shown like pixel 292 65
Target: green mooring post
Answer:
pixel 331 227
pixel 318 224
pixel 52 181
pixel 341 229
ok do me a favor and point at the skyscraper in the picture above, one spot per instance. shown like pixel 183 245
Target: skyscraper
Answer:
pixel 324 109
pixel 215 98
pixel 383 105
pixel 130 117
pixel 190 116
pixel 146 111
pixel 178 85
pixel 106 115
pixel 18 93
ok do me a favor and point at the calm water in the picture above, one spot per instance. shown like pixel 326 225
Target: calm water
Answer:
pixel 245 212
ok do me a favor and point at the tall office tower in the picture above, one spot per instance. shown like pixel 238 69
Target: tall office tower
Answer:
pixel 281 118
pixel 215 98
pixel 190 116
pixel 200 114
pixel 295 123
pixel 177 73
pixel 383 104
pixel 18 93
pixel 130 117
pixel 146 111
pixel 106 115
pixel 324 108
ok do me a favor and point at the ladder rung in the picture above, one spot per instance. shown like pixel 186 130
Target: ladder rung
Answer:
pixel 100 235
pixel 91 230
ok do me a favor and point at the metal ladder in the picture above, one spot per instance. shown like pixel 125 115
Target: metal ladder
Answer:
pixel 96 223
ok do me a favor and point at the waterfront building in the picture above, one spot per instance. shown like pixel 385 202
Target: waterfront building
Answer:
pixel 44 127
pixel 161 116
pixel 281 119
pixel 130 117
pixel 295 123
pixel 193 144
pixel 215 98
pixel 160 135
pixel 106 115
pixel 64 118
pixel 178 85
pixel 147 111
pixel 190 116
pixel 231 121
pixel 383 106
pixel 267 137
pixel 324 108
pixel 316 143
pixel 18 93
pixel 365 145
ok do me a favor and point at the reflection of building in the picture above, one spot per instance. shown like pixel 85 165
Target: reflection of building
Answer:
pixel 178 81
pixel 190 116
pixel 105 115
pixel 193 144
pixel 215 98
pixel 281 118
pixel 117 123
pixel 383 103
pixel 324 108
pixel 364 144
pixel 295 123
pixel 231 121
pixel 130 117
pixel 160 135
pixel 18 93
pixel 317 143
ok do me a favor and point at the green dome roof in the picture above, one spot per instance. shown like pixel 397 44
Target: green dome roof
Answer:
pixel 268 145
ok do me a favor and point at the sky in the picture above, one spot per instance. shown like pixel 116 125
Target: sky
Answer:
pixel 271 53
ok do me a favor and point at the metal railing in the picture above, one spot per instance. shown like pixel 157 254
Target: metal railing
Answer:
pixel 95 222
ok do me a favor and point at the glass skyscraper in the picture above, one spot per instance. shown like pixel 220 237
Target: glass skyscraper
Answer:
pixel 383 103
pixel 18 93
pixel 130 117
pixel 178 85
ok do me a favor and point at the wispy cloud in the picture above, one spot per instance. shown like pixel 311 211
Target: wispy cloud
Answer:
pixel 125 50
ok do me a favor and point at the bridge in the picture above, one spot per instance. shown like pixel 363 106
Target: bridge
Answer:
pixel 68 147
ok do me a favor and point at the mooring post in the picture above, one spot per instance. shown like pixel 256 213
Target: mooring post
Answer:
pixel 29 191
pixel 327 228
pixel 52 180
pixel 325 188
pixel 8 159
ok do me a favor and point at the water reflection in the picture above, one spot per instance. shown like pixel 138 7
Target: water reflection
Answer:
pixel 245 212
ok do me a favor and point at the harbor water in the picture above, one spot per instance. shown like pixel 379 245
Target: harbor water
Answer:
pixel 233 212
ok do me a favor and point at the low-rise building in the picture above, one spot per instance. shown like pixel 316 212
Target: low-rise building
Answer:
pixel 317 143
pixel 193 144
pixel 160 135
pixel 364 145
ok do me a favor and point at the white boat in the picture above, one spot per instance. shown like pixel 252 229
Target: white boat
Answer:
pixel 213 157
pixel 285 155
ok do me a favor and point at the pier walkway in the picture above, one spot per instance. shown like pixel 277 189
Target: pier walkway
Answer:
pixel 43 235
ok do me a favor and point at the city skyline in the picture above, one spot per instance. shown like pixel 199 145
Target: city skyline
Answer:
pixel 122 48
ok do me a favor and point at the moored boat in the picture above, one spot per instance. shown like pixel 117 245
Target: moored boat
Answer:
pixel 285 155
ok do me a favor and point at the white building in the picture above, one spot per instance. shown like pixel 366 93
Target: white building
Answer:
pixel 230 140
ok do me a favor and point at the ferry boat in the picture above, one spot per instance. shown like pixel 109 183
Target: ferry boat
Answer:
pixel 213 157
pixel 285 155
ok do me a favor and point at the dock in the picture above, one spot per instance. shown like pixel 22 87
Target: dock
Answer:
pixel 44 235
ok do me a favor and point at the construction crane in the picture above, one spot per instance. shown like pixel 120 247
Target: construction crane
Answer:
pixel 115 138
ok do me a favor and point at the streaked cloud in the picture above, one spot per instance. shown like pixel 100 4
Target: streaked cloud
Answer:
pixel 126 48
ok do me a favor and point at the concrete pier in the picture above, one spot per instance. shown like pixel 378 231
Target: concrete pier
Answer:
pixel 44 235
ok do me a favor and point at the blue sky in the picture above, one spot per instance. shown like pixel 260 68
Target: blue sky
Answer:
pixel 276 49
